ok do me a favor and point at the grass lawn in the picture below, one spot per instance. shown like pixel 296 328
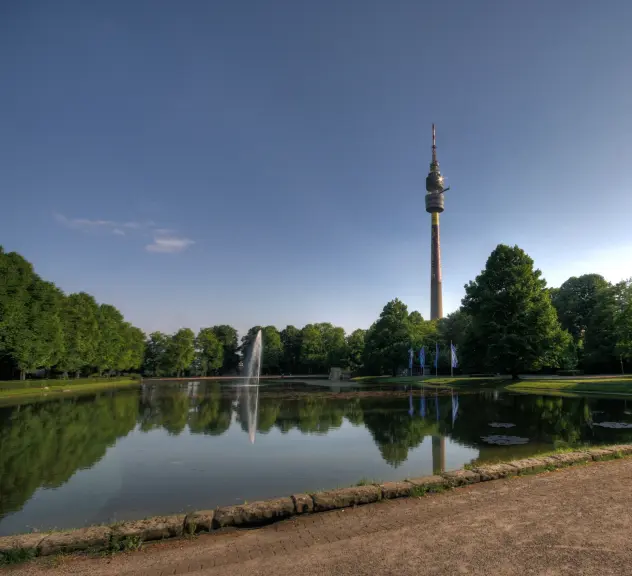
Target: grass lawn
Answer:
pixel 439 381
pixel 608 385
pixel 613 385
pixel 25 388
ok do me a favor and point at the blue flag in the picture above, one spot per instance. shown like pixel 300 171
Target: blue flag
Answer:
pixel 422 405
pixel 410 359
pixel 422 356
pixel 436 362
pixel 455 361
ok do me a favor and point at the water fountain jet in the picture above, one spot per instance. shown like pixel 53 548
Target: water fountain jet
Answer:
pixel 250 387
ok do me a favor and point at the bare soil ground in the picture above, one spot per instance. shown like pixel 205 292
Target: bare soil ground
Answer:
pixel 571 521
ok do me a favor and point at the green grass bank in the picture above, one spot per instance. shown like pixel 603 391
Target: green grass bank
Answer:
pixel 18 389
pixel 578 385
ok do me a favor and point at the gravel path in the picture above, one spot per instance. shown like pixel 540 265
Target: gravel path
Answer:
pixel 572 521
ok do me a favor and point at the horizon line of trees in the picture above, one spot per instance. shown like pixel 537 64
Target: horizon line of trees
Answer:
pixel 509 322
pixel 44 330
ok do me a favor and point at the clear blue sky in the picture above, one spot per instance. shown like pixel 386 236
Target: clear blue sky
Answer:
pixel 249 162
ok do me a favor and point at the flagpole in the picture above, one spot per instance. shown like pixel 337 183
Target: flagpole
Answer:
pixel 451 360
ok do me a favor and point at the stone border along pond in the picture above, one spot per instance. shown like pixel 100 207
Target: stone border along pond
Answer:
pixel 131 535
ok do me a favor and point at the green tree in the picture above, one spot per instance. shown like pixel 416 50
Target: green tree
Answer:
pixel 575 302
pixel 272 350
pixel 180 351
pixel 15 300
pixel 111 339
pixel 79 314
pixel 388 340
pixel 155 362
pixel 512 316
pixel 291 340
pixel 313 352
pixel 355 349
pixel 600 352
pixel 42 342
pixel 131 357
pixel 210 351
pixel 228 337
pixel 453 328
pixel 335 345
pixel 623 321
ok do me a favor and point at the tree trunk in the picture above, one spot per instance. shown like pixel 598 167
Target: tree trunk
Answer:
pixel 22 375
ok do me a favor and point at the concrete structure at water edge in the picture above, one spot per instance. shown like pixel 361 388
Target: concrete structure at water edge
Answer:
pixel 435 205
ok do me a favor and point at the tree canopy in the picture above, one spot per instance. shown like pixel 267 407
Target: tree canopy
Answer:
pixel 42 329
pixel 512 317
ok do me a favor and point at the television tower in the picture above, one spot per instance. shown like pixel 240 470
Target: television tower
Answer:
pixel 435 205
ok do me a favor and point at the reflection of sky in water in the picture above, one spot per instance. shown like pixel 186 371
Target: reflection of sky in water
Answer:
pixel 155 473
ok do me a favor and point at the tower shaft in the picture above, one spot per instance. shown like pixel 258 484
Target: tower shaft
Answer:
pixel 436 293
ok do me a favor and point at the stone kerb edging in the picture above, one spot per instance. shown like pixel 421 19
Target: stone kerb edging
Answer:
pixel 129 535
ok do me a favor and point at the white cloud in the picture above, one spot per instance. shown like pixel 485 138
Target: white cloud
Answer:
pixel 83 223
pixel 169 244
pixel 87 224
pixel 164 240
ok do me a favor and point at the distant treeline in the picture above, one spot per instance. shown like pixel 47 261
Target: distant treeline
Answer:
pixel 509 322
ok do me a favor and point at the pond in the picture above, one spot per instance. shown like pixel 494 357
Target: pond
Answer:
pixel 165 448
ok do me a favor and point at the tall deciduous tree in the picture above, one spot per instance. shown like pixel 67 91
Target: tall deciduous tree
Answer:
pixel 313 353
pixel 623 322
pixel 513 318
pixel 272 350
pixel 210 351
pixel 79 314
pixel 335 345
pixel 291 340
pixel 131 357
pixel 38 341
pixel 355 349
pixel 600 351
pixel 15 300
pixel 111 339
pixel 388 340
pixel 228 337
pixel 575 301
pixel 155 362
pixel 181 351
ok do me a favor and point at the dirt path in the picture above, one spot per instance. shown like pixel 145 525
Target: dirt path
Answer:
pixel 573 521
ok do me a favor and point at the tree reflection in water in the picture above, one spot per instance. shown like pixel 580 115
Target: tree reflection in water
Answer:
pixel 43 444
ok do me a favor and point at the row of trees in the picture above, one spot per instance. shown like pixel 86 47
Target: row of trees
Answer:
pixel 509 322
pixel 216 350
pixel 41 328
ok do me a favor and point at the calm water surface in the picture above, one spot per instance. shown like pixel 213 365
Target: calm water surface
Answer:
pixel 172 447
